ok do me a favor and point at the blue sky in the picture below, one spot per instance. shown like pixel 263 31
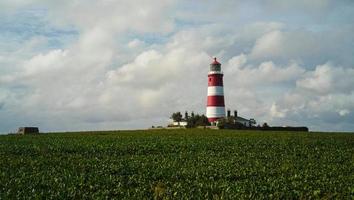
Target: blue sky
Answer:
pixel 97 65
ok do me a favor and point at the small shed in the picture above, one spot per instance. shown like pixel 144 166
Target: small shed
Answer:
pixel 28 130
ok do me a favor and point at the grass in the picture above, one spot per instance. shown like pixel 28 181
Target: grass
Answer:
pixel 177 164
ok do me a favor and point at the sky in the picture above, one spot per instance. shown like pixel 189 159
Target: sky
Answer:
pixel 73 65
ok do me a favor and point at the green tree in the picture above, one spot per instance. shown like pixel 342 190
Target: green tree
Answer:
pixel 221 123
pixel 177 117
pixel 265 125
pixel 202 121
pixel 197 120
pixel 253 122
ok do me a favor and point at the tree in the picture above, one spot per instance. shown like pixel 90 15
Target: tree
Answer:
pixel 202 121
pixel 221 123
pixel 193 120
pixel 253 122
pixel 177 117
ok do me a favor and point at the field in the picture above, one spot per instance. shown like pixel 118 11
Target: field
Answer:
pixel 177 164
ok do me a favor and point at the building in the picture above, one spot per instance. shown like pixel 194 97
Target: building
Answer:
pixel 245 122
pixel 240 120
pixel 181 123
pixel 28 130
pixel 215 104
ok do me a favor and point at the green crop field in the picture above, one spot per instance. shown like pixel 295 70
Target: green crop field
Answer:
pixel 177 164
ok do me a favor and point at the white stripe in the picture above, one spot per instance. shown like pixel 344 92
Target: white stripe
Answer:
pixel 214 111
pixel 215 72
pixel 215 91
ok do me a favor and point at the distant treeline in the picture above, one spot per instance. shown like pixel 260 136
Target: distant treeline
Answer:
pixel 197 120
pixel 193 120
pixel 265 127
pixel 288 128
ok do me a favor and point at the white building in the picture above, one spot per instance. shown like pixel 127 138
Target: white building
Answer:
pixel 241 120
pixel 182 123
pixel 245 122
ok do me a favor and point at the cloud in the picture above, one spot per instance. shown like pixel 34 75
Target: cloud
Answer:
pixel 269 44
pixel 304 46
pixel 44 63
pixel 292 94
pixel 274 112
pixel 136 43
pixel 266 73
pixel 158 79
pixel 322 97
pixel 130 64
pixel 315 5
pixel 343 112
pixel 2 99
pixel 99 23
pixel 327 79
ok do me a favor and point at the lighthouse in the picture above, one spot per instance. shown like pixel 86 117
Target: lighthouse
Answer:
pixel 216 103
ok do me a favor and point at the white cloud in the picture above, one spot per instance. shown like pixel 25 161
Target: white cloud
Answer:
pixel 44 63
pixel 264 74
pixel 288 45
pixel 319 81
pixel 344 112
pixel 328 79
pixel 146 68
pixel 142 16
pixel 136 43
pixel 236 63
pixel 156 78
pixel 269 44
pixel 300 4
pixel 274 112
pixel 135 62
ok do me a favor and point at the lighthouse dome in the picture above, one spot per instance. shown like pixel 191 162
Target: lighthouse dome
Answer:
pixel 215 66
pixel 215 62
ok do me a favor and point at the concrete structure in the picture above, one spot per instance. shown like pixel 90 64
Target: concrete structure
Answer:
pixel 28 130
pixel 216 103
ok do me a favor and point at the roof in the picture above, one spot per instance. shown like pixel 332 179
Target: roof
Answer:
pixel 241 119
pixel 215 62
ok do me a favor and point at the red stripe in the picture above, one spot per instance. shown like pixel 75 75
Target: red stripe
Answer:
pixel 215 80
pixel 213 119
pixel 216 101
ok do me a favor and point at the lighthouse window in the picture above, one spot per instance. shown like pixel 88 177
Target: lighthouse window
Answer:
pixel 209 79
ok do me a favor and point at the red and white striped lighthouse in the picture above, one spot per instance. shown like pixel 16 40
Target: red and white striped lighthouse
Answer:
pixel 216 103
